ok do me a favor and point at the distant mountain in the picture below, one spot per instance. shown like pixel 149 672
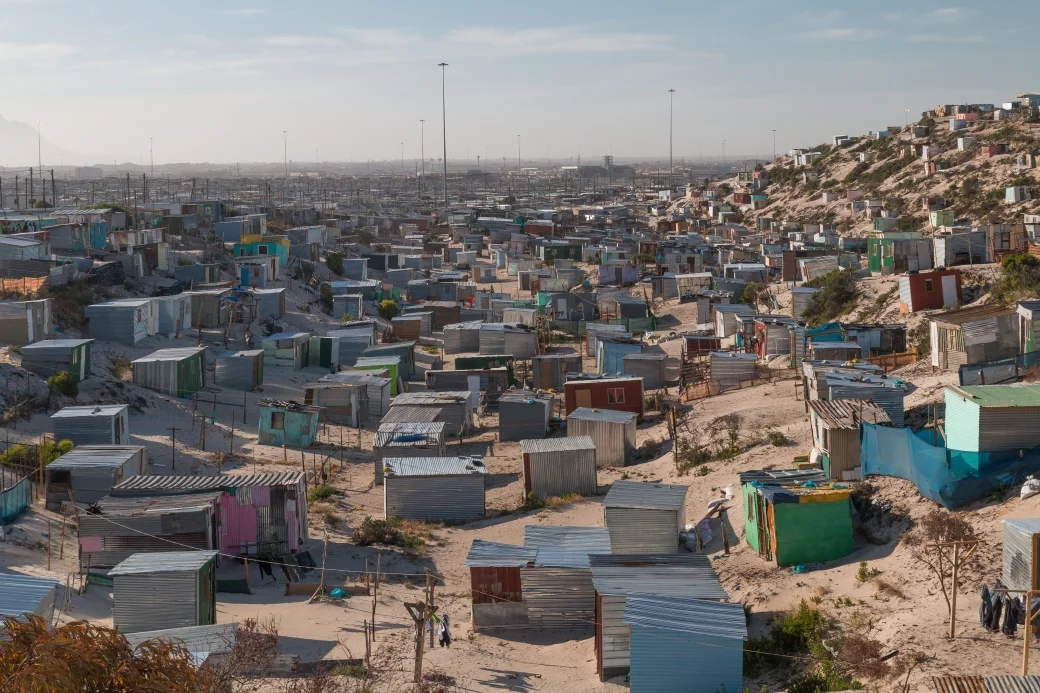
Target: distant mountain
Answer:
pixel 18 148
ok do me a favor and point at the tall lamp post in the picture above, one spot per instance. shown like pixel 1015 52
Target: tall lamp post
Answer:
pixel 444 122
pixel 671 166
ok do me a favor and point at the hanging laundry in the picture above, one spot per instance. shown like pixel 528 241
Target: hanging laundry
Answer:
pixel 985 608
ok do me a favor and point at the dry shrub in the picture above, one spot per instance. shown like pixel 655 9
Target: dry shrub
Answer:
pixel 861 655
pixel 887 589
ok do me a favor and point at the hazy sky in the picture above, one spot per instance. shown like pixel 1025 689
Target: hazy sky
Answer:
pixel 219 81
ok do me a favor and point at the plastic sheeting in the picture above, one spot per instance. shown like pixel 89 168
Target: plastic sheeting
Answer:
pixel 952 478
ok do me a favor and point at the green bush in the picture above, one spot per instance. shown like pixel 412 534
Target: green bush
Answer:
pixel 63 383
pixel 321 493
pixel 837 295
pixel 1020 278
pixel 388 309
pixel 334 261
pixel 22 455
pixel 391 532
pixel 325 297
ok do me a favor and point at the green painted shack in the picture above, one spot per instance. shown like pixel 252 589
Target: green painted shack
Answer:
pixel 179 372
pixel 796 516
pixel 991 418
pixel 896 252
pixel 284 422
pixel 391 365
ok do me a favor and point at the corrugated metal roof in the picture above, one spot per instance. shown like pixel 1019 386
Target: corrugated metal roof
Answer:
pixel 97 456
pixel 685 615
pixel 848 413
pixel 286 335
pixel 782 476
pixel 55 344
pixel 1007 683
pixel 587 414
pixel 123 506
pixel 200 641
pixel 636 494
pixel 961 316
pixel 92 410
pixel 176 354
pixel 999 396
pixel 472 325
pixel 959 684
pixel 407 413
pixel 163 562
pixel 564 557
pixel 405 433
pixel 20 594
pixel 677 575
pixel 557 444
pixel 590 539
pixel 433 466
pixel 492 554
pixel 431 398
pixel 205 483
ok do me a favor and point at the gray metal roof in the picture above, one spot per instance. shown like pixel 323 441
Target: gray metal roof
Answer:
pixel 564 557
pixel 492 554
pixel 163 562
pixel 55 344
pixel 472 325
pixel 433 466
pixel 402 434
pixel 91 410
pixel 688 616
pixel 252 353
pixel 1025 525
pixel 205 483
pixel 782 476
pixel 637 494
pixel 96 456
pixel 128 506
pixel 377 361
pixel 200 641
pixel 537 445
pixel 596 539
pixel 177 354
pixel 676 574
pixel 586 414
pixel 20 594
pixel 405 413
pixel 356 377
pixel 431 398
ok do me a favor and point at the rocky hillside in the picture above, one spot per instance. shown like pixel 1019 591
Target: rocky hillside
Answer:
pixel 972 185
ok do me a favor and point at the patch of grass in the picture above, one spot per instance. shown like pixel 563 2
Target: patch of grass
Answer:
pixel 703 470
pixel 408 534
pixel 887 589
pixel 532 503
pixel 329 517
pixel 122 369
pixel 321 493
pixel 778 439
pixel 865 572
pixel 355 670
pixel 63 383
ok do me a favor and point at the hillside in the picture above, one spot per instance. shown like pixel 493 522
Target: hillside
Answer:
pixel 972 185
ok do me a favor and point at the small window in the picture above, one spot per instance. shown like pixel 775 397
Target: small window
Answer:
pixel 277 421
pixel 261 250
pixel 616 395
pixel 927 284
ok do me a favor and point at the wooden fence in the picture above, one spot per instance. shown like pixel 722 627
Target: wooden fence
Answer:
pixel 890 362
pixel 711 388
pixel 24 286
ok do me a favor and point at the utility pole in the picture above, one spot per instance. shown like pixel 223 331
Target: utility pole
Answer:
pixel 671 164
pixel 151 159
pixel 173 448
pixel 422 154
pixel 774 144
pixel 54 194
pixel 285 157
pixel 518 164
pixel 444 122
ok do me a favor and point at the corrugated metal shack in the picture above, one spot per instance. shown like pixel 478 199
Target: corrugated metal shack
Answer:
pixel 611 350
pixel 102 424
pixel 287 350
pixel 25 594
pixel 323 352
pixel 348 306
pixel 174 314
pixel 613 432
pixel 833 351
pixel 444 313
pixel 731 367
pixel 550 370
pixel 351 343
pixel 25 322
pixel 409 439
pixel 388 365
pixel 287 423
pixel 57 355
pixel 1021 552
pixel 836 434
pixel 496 591
pixel 209 308
pixel 436 489
pixel 164 590
pixel 683 644
pixel 463 337
pixel 990 418
pixel 126 323
pixel 413 326
pixel 240 370
pixel 199 641
pixel 792 523
pixel 376 402
pixel 260 514
pixel 340 402
pixel 90 471
pixel 618 577
pixel 499 338
pixel 405 350
pixel 179 372
pixel 886 391
pixel 557 588
pixel 620 393
pixel 524 414
pixel 644 517
pixel 973 335
pixel 491 383
pixel 457 408
pixel 122 526
pixel 559 466
pixel 270 302
pixel 197 273
pixel 655 369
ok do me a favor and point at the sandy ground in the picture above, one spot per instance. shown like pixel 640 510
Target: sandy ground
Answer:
pixel 529 660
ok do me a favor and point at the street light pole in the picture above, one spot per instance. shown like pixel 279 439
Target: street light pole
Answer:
pixel 518 165
pixel 444 122
pixel 671 165
pixel 285 157
pixel 723 152
pixel 774 144
pixel 422 154
pixel 151 159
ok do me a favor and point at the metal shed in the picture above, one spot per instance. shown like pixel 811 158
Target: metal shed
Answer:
pixel 174 314
pixel 179 372
pixel 836 434
pixel 126 323
pixel 164 590
pixel 1021 551
pixel 90 471
pixel 731 367
pixel 340 402
pixel 102 424
pixel 209 308
pixel 463 337
pixel 559 466
pixel 25 322
pixel 199 641
pixel 644 517
pixel 613 432
pixel 524 414
pixel 496 592
pixel 550 371
pixel 240 370
pixel 24 594
pixel 413 326
pixel 388 364
pixel 655 369
pixel 456 408
pixel 435 489
pixel 270 302
pixel 405 350
pixel 52 356
pixel 685 645
pixel 351 306
pixel 499 338
pixel 351 344
pixel 617 577
pixel 833 351
pixel 488 383
pixel 407 439
pixel 557 588
pixel 122 526
pixel 376 402
pixel 285 422
pixel 619 393
pixel 287 349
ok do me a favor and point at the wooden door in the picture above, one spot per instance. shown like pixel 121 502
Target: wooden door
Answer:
pixel 583 398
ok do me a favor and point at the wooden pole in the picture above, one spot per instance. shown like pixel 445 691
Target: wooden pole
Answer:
pixel 375 596
pixel 49 544
pixel 368 645
pixel 1025 638
pixel 429 600
pixel 231 444
pixel 953 596
pixel 64 520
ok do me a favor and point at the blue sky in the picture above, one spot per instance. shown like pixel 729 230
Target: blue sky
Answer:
pixel 219 81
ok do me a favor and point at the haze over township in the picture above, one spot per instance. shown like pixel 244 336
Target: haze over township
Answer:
pixel 220 81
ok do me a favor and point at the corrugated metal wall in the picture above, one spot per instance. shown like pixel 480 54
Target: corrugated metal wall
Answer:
pixel 1019 538
pixel 548 474
pixel 559 598
pixel 90 429
pixel 519 419
pixel 614 441
pixel 434 498
pixel 843 451
pixel 642 530
pixel 615 638
pixel 665 660
pixel 14 500
pixel 155 601
pixel 493 585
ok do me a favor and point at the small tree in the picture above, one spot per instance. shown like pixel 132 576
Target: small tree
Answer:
pixel 755 294
pixel 388 309
pixel 63 383
pixel 940 527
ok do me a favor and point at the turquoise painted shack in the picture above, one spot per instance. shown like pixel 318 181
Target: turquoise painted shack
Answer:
pixel 288 423
pixel 255 245
pixel 992 418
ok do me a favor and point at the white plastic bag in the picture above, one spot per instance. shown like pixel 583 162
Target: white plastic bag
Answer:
pixel 1030 488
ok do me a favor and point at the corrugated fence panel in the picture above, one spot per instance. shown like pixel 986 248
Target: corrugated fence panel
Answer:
pixel 669 661
pixel 559 598
pixel 14 500
pixel 434 498
pixel 642 531
pixel 1018 553
pixel 558 473
pixel 154 601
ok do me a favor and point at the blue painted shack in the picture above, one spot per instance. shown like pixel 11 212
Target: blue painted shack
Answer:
pixel 611 351
pixel 685 645
pixel 284 422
